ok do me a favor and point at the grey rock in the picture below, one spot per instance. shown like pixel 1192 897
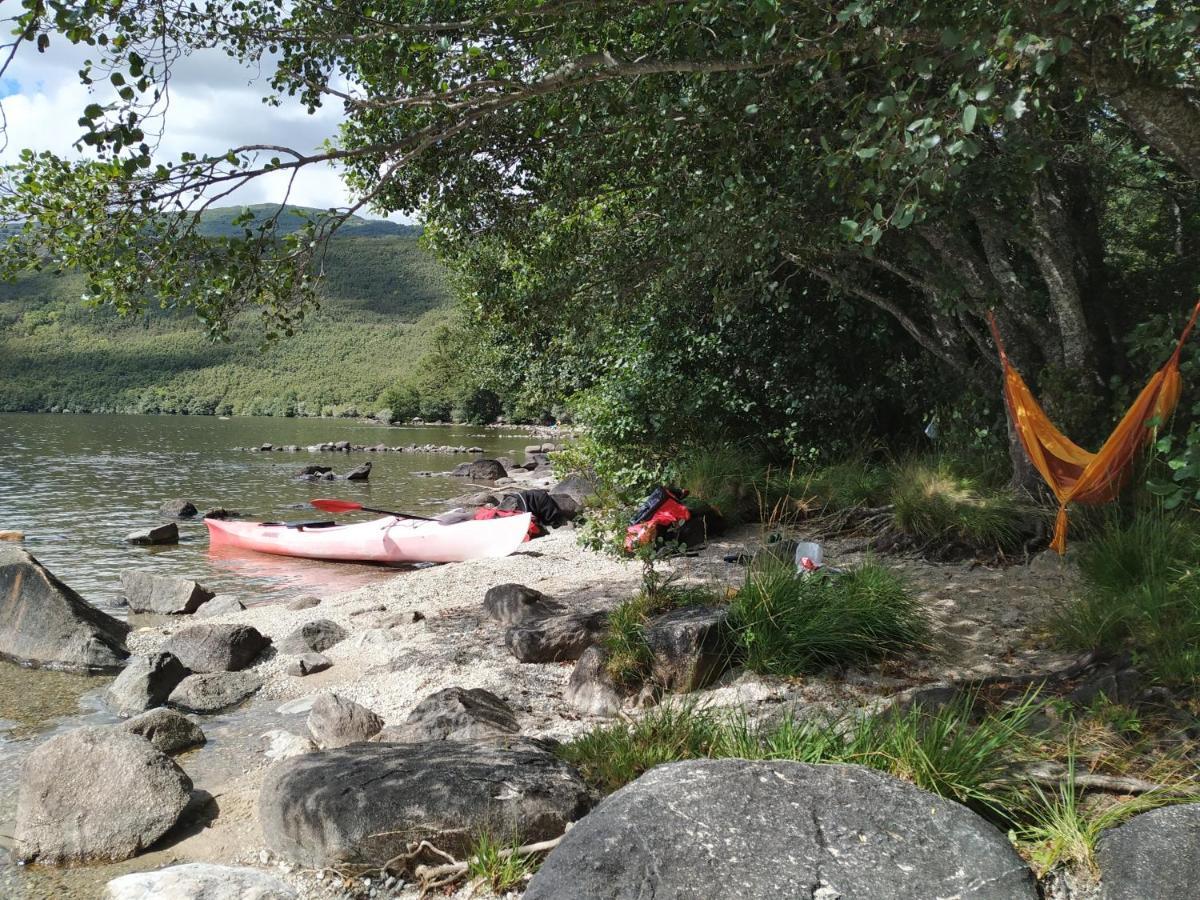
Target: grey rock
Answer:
pixel 214 692
pixel 557 638
pixel 96 793
pixel 220 605
pixel 314 637
pixel 199 881
pixel 513 604
pixel 359 473
pixel 573 493
pixel 343 446
pixel 163 594
pixel 216 647
pixel 365 803
pixel 485 470
pixel 145 683
pixel 178 509
pixel 690 647
pixel 304 603
pixel 1153 855
pixel 335 721
pixel 312 469
pixel 731 829
pixel 454 714
pixel 590 689
pixel 483 498
pixel 279 744
pixel 462 470
pixel 157 534
pixel 220 512
pixel 309 664
pixel 169 731
pixel 45 623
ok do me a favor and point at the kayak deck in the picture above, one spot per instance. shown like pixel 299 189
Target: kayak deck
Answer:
pixel 386 540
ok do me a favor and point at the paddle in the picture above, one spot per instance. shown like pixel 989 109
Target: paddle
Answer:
pixel 340 506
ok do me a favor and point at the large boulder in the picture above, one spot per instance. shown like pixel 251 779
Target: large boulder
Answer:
pixel 178 509
pixel 217 648
pixel 690 647
pixel 557 638
pixel 163 594
pixel 485 470
pixel 365 803
pixel 214 692
pixel 454 714
pixel 199 881
pixel 591 689
pixel 43 622
pixel 729 829
pixel 1155 854
pixel 145 683
pixel 513 604
pixel 96 793
pixel 335 721
pixel 313 637
pixel 170 732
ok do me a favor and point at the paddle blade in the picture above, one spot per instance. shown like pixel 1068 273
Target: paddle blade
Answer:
pixel 335 506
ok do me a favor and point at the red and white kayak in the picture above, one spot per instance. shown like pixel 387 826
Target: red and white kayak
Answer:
pixel 386 540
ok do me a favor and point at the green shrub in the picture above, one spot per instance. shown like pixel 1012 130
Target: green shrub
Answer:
pixel 788 624
pixel 725 476
pixel 478 406
pixel 933 502
pixel 851 483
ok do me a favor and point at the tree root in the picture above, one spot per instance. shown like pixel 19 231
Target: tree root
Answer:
pixel 1051 775
pixel 431 876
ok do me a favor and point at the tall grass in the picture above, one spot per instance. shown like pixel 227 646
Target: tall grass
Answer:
pixel 851 483
pixel 787 624
pixel 932 501
pixel 724 476
pixel 1141 593
pixel 947 751
pixel 628 657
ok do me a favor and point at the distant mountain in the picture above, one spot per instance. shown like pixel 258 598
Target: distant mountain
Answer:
pixel 219 222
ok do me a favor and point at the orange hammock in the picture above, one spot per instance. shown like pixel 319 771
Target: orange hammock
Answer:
pixel 1074 474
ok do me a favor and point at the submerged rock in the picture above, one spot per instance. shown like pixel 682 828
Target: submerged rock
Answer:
pixel 158 534
pixel 145 683
pixel 454 714
pixel 365 803
pixel 199 881
pixel 163 594
pixel 216 648
pixel 96 793
pixel 335 721
pixel 214 692
pixel 279 744
pixel 169 731
pixel 732 829
pixel 43 622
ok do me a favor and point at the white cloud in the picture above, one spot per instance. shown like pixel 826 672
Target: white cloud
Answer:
pixel 216 103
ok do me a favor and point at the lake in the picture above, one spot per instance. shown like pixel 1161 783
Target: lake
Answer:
pixel 77 484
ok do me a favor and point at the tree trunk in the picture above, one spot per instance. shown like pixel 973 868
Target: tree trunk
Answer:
pixel 1165 117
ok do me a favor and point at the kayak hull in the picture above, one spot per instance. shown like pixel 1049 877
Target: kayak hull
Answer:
pixel 387 540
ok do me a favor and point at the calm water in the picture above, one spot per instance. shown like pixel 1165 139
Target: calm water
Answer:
pixel 77 484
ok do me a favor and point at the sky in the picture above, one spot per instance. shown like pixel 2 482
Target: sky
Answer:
pixel 215 104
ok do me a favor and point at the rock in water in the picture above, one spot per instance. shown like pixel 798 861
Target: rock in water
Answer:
pixel 690 647
pixel 731 829
pixel 280 744
pixel 365 803
pixel 313 637
pixel 485 470
pixel 1155 854
pixel 96 793
pixel 556 639
pixel 360 473
pixel 214 692
pixel 145 683
pixel 167 730
pixel 220 605
pixel 146 592
pixel 43 622
pixel 514 604
pixel 216 648
pixel 335 721
pixel 159 534
pixel 199 881
pixel 178 509
pixel 454 714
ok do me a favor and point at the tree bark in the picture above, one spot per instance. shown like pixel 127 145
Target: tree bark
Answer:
pixel 1165 117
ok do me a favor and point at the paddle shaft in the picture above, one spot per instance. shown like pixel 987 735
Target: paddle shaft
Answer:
pixel 336 506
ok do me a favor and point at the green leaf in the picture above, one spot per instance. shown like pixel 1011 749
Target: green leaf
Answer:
pixel 968 117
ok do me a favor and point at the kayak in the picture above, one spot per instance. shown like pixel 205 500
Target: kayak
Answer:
pixel 386 540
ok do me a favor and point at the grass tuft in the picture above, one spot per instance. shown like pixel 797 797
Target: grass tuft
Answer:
pixel 786 624
pixel 851 483
pixel 933 502
pixel 724 477
pixel 497 864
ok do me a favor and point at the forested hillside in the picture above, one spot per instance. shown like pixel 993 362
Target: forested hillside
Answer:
pixel 383 300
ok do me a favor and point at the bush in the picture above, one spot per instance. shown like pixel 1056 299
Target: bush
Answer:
pixel 628 656
pixel 933 502
pixel 725 476
pixel 478 406
pixel 788 624
pixel 404 400
pixel 849 484
pixel 1140 594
